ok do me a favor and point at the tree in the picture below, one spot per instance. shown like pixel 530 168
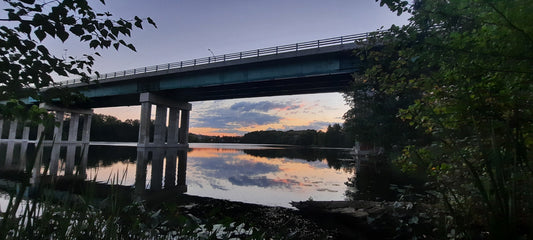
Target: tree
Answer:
pixel 471 62
pixel 372 118
pixel 27 66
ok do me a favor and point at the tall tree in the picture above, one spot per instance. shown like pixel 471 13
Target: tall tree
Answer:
pixel 27 66
pixel 372 118
pixel 471 61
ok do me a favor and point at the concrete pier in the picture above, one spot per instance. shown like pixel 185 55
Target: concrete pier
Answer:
pixel 163 135
pixel 75 116
pixel 73 140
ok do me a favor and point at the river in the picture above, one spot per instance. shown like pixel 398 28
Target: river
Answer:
pixel 272 175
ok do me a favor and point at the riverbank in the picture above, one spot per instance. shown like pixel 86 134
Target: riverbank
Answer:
pixel 273 222
pixel 313 219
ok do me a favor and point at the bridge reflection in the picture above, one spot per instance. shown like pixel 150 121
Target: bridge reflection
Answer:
pixel 163 169
pixel 159 171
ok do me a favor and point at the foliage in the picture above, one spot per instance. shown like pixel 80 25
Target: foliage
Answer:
pixel 111 129
pixel 470 61
pixel 28 67
pixel 335 136
pixel 60 219
pixel 372 117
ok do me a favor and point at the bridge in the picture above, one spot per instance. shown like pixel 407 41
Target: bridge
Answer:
pixel 319 66
pixel 309 67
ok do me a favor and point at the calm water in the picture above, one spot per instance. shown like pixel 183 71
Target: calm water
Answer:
pixel 264 174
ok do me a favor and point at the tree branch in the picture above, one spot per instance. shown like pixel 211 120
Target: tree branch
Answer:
pixel 509 21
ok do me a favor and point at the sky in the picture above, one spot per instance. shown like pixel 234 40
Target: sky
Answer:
pixel 189 29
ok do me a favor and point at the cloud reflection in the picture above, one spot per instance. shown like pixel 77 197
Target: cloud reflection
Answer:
pixel 262 181
pixel 224 169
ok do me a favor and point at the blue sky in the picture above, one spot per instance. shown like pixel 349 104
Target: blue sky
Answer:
pixel 189 29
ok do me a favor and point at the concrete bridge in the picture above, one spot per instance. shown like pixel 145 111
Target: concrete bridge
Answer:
pixel 317 66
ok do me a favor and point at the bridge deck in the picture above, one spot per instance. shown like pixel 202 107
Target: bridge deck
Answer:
pixel 310 67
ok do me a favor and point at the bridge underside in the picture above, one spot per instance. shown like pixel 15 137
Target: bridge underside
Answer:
pixel 323 70
pixel 277 87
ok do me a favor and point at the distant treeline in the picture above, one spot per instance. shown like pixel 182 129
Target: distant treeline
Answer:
pixel 334 136
pixel 109 128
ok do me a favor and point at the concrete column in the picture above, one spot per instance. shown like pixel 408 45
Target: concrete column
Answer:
pixel 173 125
pixel 160 128
pixel 36 171
pixel 54 159
pixel 73 127
pixel 40 130
pixel 144 126
pixel 69 159
pixel 23 154
pixel 182 168
pixel 58 129
pixel 86 133
pixel 11 144
pixel 26 133
pixel 170 167
pixel 160 125
pixel 156 181
pixel 1 127
pixel 84 158
pixel 13 130
pixel 10 150
pixel 184 127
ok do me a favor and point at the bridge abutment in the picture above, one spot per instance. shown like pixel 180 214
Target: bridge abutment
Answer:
pixel 72 139
pixel 18 136
pixel 73 129
pixel 177 132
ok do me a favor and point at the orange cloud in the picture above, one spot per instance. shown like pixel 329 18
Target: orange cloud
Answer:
pixel 211 132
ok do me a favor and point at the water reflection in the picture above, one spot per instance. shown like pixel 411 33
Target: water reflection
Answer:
pixel 164 162
pixel 270 175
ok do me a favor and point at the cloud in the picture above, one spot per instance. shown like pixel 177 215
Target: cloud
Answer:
pixel 237 117
pixel 263 106
pixel 227 118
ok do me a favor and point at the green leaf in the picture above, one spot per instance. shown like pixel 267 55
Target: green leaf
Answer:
pixel 13 16
pixel 25 27
pixel 94 44
pixel 38 20
pixel 108 24
pixel 86 37
pixel 50 29
pixel 77 30
pixel 61 71
pixel 43 50
pixel 139 24
pixel 70 20
pixel 150 21
pixel 63 35
pixel 29 44
pixel 40 34
pixel 130 46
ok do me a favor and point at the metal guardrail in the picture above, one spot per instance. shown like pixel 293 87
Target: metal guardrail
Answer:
pixel 348 39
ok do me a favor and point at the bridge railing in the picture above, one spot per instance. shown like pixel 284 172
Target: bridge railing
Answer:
pixel 348 39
